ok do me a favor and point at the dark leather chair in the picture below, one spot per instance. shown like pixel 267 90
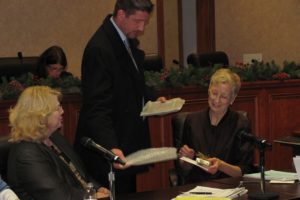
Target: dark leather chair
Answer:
pixel 208 59
pixel 176 176
pixel 153 63
pixel 15 66
pixel 4 151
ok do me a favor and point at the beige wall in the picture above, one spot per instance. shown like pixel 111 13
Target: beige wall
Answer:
pixel 270 27
pixel 171 32
pixel 31 26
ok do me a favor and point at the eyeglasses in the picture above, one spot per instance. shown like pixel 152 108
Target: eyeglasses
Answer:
pixel 216 95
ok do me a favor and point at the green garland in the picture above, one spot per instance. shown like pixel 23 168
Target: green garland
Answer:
pixel 172 78
pixel 256 71
pixel 11 89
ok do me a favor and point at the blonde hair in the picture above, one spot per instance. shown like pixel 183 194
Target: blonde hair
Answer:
pixel 226 76
pixel 29 118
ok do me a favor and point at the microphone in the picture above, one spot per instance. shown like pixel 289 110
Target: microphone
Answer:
pixel 175 62
pixel 251 138
pixel 90 144
pixel 20 56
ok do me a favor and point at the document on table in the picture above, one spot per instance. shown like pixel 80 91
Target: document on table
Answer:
pixel 201 192
pixel 272 175
pixel 162 108
pixel 296 160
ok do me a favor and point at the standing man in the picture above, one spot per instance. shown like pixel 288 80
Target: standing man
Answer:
pixel 114 92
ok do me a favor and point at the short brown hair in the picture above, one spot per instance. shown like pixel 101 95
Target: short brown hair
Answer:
pixel 131 6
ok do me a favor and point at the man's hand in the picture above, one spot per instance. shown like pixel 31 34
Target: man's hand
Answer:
pixel 162 99
pixel 102 193
pixel 119 153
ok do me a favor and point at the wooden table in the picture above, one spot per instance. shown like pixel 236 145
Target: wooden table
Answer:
pixel 293 141
pixel 285 191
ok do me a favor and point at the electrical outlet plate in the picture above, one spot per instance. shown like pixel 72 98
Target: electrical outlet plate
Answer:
pixel 247 58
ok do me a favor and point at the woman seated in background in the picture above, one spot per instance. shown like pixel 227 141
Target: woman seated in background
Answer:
pixel 52 63
pixel 5 192
pixel 42 164
pixel 214 132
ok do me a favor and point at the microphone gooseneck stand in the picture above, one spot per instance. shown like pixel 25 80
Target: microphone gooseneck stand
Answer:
pixel 111 179
pixel 262 144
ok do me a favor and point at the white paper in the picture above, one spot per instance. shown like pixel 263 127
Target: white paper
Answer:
pixel 193 162
pixel 216 192
pixel 297 165
pixel 151 155
pixel 159 108
pixel 275 175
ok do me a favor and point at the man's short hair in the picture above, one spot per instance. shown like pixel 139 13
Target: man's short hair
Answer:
pixel 131 6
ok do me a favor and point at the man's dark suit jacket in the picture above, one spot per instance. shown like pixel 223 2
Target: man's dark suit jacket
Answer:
pixel 35 172
pixel 112 99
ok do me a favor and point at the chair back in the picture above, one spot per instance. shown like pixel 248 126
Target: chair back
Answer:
pixel 208 59
pixel 4 151
pixel 15 67
pixel 176 176
pixel 153 63
pixel 177 127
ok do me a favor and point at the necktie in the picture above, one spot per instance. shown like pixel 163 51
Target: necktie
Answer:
pixel 130 53
pixel 126 43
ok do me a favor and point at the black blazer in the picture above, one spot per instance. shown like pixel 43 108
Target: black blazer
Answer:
pixel 36 172
pixel 112 98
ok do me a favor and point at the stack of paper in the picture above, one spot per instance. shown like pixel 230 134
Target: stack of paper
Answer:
pixel 296 160
pixel 273 175
pixel 159 108
pixel 201 192
pixel 151 155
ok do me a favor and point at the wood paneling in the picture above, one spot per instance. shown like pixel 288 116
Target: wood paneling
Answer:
pixel 205 26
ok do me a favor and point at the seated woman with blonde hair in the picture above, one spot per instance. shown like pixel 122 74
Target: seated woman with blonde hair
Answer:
pixel 42 164
pixel 214 132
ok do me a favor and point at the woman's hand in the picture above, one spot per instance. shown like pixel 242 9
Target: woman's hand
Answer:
pixel 215 164
pixel 186 151
pixel 102 193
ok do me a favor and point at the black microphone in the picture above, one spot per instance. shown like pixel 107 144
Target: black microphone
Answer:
pixel 175 62
pixel 89 143
pixel 251 138
pixel 20 56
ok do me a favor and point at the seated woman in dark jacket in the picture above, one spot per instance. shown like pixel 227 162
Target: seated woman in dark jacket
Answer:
pixel 41 164
pixel 214 133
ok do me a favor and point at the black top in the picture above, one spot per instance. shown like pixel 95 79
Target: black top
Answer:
pixel 221 141
pixel 36 172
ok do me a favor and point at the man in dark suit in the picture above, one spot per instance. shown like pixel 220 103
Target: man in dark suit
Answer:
pixel 114 92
